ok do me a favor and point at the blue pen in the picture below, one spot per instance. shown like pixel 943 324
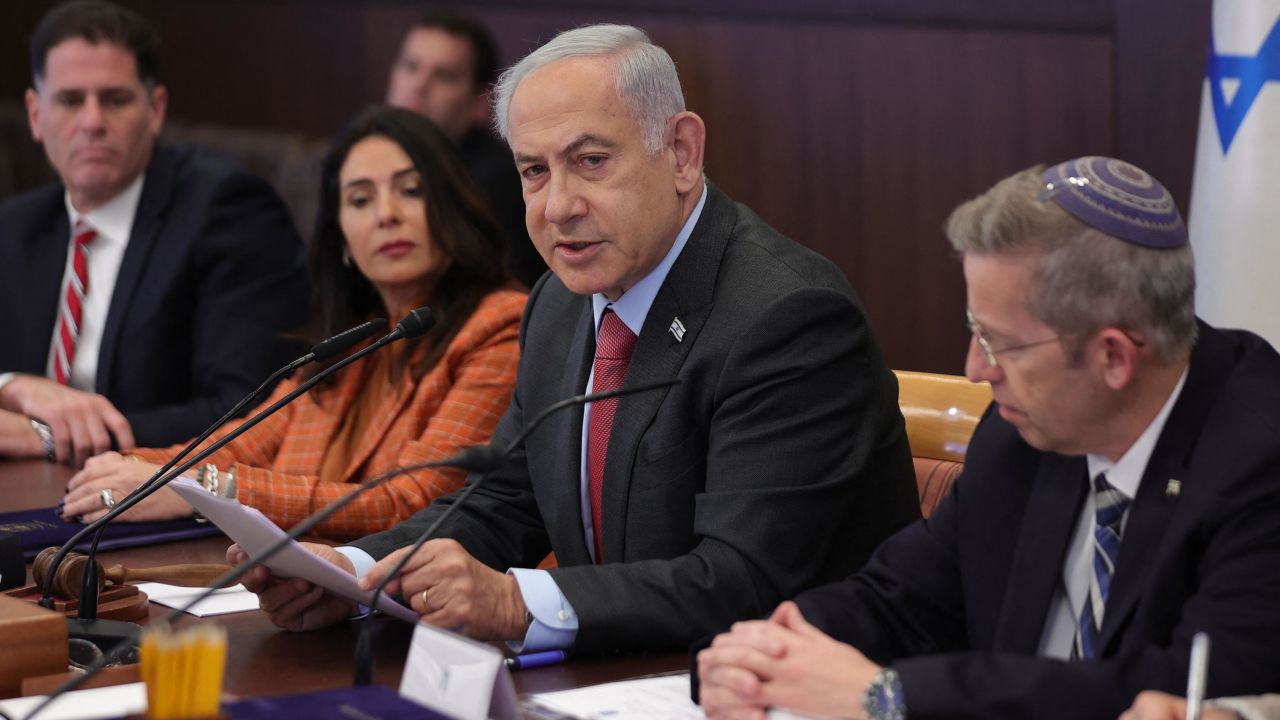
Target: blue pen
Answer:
pixel 538 659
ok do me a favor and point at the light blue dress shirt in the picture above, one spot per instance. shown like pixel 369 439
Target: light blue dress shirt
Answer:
pixel 555 624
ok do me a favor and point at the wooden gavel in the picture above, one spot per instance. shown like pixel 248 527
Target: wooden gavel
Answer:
pixel 70 575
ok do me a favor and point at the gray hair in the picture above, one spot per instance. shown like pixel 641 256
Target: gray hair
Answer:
pixel 1084 279
pixel 644 73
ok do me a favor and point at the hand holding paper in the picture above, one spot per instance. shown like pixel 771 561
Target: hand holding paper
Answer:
pixel 295 604
pixel 305 569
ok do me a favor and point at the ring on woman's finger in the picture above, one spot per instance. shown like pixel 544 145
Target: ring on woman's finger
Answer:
pixel 108 498
pixel 425 607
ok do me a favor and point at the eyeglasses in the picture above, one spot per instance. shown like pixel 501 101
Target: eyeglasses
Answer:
pixel 984 344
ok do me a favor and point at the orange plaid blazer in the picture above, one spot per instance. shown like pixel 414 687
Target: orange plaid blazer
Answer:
pixel 457 403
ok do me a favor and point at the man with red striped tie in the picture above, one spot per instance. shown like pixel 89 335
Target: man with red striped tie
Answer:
pixel 145 292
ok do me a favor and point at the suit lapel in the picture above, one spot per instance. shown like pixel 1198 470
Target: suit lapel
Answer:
pixel 1148 520
pixel 568 432
pixel 1036 572
pixel 685 294
pixel 157 193
pixel 1152 508
pixel 46 256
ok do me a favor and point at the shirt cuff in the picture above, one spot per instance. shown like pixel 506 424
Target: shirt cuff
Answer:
pixel 1243 707
pixel 362 561
pixel 555 624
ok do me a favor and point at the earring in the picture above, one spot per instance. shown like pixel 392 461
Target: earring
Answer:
pixel 346 257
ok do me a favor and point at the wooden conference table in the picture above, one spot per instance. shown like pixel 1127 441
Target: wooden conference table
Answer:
pixel 264 660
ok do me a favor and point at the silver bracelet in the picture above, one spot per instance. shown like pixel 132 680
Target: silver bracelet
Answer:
pixel 208 478
pixel 47 444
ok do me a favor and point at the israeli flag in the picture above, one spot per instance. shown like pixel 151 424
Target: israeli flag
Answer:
pixel 1235 198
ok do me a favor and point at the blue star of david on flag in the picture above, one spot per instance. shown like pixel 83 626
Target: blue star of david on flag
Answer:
pixel 1252 71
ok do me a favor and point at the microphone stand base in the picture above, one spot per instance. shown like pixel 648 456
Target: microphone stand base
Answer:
pixel 106 634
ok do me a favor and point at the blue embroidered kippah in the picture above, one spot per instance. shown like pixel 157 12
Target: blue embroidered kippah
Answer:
pixel 1117 198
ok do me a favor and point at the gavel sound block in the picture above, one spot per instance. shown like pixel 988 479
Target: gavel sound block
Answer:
pixel 116 601
pixel 35 643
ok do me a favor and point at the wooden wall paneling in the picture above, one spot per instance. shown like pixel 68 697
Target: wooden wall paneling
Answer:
pixel 278 65
pixel 1161 53
pixel 853 126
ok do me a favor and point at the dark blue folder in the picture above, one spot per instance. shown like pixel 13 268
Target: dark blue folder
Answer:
pixel 367 701
pixel 39 529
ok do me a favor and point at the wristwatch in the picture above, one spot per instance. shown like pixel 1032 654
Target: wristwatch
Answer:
pixel 884 699
pixel 47 445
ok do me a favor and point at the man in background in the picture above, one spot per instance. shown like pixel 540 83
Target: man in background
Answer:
pixel 148 290
pixel 444 71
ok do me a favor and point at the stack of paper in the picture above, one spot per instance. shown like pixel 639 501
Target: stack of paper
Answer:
pixel 233 599
pixel 664 696
pixel 105 702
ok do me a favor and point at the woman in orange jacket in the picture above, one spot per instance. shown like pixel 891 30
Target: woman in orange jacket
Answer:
pixel 401 226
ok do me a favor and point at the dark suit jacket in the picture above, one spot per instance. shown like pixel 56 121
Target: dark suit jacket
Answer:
pixel 958 603
pixel 211 277
pixel 780 461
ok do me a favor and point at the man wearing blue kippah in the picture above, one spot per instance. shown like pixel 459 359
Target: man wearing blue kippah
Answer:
pixel 1121 494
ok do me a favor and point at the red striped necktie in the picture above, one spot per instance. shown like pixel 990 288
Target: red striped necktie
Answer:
pixel 64 351
pixel 614 344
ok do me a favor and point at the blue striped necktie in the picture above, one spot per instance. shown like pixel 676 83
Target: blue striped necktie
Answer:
pixel 1110 504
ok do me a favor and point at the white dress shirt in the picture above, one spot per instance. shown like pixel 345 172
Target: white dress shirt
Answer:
pixel 113 222
pixel 1124 475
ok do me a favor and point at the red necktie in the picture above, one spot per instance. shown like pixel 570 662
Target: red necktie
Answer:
pixel 614 343
pixel 64 351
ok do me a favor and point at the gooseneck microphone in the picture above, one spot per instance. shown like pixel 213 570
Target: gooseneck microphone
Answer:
pixel 343 341
pixel 321 351
pixel 465 459
pixel 485 460
pixel 480 459
pixel 416 323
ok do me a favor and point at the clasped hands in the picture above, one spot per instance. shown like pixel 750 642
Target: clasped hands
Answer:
pixel 441 582
pixel 782 662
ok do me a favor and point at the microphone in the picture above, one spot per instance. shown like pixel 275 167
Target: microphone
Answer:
pixel 464 459
pixel 484 460
pixel 479 459
pixel 323 350
pixel 345 340
pixel 417 323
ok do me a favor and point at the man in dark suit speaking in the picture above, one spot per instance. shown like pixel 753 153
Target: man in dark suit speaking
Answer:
pixel 779 461
pixel 146 292
pixel 1121 494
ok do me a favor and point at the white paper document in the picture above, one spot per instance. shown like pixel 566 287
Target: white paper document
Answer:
pixel 664 696
pixel 254 532
pixel 661 696
pixel 105 702
pixel 232 599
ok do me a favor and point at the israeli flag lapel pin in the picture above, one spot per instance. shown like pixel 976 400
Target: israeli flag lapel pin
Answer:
pixel 677 329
